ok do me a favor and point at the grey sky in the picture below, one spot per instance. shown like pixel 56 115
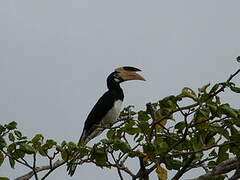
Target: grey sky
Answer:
pixel 55 57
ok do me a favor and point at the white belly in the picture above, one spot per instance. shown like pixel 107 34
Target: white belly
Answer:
pixel 112 115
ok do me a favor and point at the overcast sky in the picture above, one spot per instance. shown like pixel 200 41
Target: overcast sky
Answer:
pixel 55 56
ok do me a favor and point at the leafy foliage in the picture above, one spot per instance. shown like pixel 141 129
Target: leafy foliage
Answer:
pixel 179 132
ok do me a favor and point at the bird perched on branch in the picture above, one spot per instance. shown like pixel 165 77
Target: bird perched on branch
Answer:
pixel 107 109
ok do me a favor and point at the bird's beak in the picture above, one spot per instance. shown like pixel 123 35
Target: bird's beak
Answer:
pixel 129 73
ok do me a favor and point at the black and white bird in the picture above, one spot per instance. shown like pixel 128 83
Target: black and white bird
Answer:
pixel 107 109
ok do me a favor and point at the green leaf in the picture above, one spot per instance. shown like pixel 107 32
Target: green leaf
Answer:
pixel 140 138
pixel 196 144
pixel 4 178
pixel 11 125
pixel 42 151
pixel 234 131
pixel 188 92
pixel 226 109
pixel 169 102
pixel 133 131
pixel 50 143
pixel 11 162
pixel 18 133
pixel 162 147
pixel 202 117
pixel 180 126
pixel 144 126
pixel 11 137
pixel 235 89
pixel 222 153
pixel 143 116
pixel 64 155
pixel 27 149
pixel 214 88
pixel 211 164
pixel 210 140
pixel 37 138
pixel 2 142
pixel 173 164
pixel 223 132
pixel 235 149
pixel 84 150
pixel 1 158
pixel 129 125
pixel 204 112
pixel 150 150
pixel 70 145
pixel 110 134
pixel 99 155
pixel 213 108
pixel 11 148
pixel 217 99
pixel 18 154
pixel 63 144
pixel 120 145
pixel 2 129
pixel 204 88
pixel 128 128
pixel 213 153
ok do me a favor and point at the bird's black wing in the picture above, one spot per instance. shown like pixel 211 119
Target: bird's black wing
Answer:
pixel 103 105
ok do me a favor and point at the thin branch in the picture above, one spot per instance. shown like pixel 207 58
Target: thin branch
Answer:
pixel 143 173
pixel 184 134
pixel 151 111
pixel 200 150
pixel 34 166
pixel 235 177
pixel 27 176
pixel 23 162
pixel 196 104
pixel 225 85
pixel 237 172
pixel 184 168
pixel 123 168
pixel 118 169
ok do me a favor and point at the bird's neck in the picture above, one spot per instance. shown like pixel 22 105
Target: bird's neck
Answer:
pixel 117 90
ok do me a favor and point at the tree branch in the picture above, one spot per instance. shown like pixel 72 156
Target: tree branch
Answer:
pixel 184 168
pixel 27 176
pixel 224 167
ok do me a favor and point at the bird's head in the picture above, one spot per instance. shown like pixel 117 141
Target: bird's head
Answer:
pixel 124 73
pixel 127 73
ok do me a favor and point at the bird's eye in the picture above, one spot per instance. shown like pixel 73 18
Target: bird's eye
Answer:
pixel 116 75
pixel 117 78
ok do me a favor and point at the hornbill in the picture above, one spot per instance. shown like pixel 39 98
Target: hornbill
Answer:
pixel 107 109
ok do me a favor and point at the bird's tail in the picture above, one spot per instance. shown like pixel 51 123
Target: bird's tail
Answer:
pixel 72 165
pixel 75 161
pixel 85 138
